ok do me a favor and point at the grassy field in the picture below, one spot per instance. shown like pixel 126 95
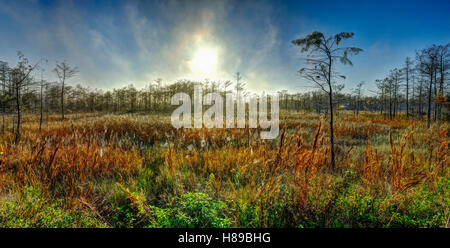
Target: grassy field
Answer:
pixel 138 171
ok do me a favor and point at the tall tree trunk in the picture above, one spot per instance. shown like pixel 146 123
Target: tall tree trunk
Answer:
pixel 3 117
pixel 62 100
pixel 18 114
pixel 41 117
pixel 435 94
pixel 357 106
pixel 413 101
pixel 395 99
pixel 3 121
pixel 46 110
pixel 333 165
pixel 429 101
pixel 390 105
pixel 407 92
pixel 420 110
pixel 441 88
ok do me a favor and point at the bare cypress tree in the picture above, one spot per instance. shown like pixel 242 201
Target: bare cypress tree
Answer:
pixel 427 62
pixel 64 72
pixel 6 94
pixel 42 85
pixel 239 84
pixel 322 55
pixel 444 65
pixel 396 80
pixel 389 83
pixel 382 86
pixel 358 92
pixel 20 78
pixel 420 88
pixel 408 63
pixel 413 96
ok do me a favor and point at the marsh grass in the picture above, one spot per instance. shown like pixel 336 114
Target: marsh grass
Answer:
pixel 138 171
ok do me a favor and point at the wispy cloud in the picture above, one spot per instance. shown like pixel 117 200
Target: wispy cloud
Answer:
pixel 117 43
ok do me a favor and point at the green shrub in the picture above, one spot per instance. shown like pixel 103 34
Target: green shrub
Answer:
pixel 189 210
pixel 200 210
pixel 32 209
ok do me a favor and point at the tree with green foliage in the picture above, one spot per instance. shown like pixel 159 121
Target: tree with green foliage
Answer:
pixel 323 53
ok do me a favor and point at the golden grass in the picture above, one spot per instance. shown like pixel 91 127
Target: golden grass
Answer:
pixel 67 159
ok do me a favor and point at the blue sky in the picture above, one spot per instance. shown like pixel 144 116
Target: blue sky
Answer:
pixel 115 43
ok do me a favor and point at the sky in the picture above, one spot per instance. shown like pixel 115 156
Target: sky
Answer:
pixel 117 43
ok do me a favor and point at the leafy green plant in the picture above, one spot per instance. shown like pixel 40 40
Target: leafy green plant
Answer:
pixel 33 209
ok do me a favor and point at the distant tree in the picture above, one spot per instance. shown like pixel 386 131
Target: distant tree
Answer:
pixel 443 57
pixel 6 93
pixel 408 64
pixel 323 52
pixel 338 97
pixel 382 94
pixel 240 86
pixel 21 78
pixel 132 96
pixel 358 92
pixel 389 86
pixel 413 87
pixel 396 76
pixel 427 59
pixel 42 85
pixel 64 72
pixel 226 84
pixel 108 98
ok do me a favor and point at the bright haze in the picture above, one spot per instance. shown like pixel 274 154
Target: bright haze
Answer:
pixel 117 43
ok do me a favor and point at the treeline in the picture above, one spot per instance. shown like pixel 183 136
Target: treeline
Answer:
pixel 36 96
pixel 418 89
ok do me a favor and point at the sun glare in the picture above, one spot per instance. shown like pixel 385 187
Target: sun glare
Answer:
pixel 204 62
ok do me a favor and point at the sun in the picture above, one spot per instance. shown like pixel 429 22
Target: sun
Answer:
pixel 204 62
